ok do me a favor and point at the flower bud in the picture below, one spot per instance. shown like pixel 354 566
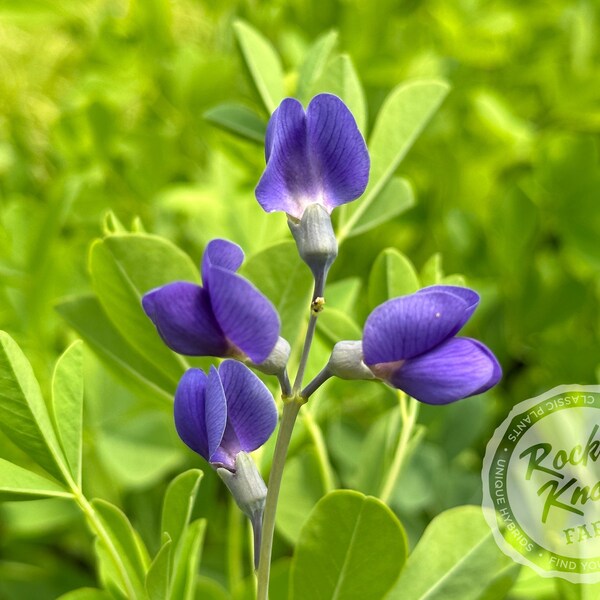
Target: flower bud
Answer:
pixel 346 361
pixel 249 492
pixel 316 242
pixel 276 362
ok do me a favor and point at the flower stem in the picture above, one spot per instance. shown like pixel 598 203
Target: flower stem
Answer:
pixel 316 383
pixel 310 332
pixel 291 409
pixel 409 410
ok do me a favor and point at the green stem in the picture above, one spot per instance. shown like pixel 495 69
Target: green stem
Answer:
pixel 409 409
pixel 234 544
pixel 291 408
pixel 310 332
pixel 98 527
pixel 316 383
pixel 317 437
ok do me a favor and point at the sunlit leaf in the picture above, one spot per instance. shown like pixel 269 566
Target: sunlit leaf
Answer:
pixel 351 547
pixel 17 483
pixel 263 63
pixel 67 405
pixel 238 119
pixel 403 116
pixel 392 275
pixel 23 414
pixel 456 559
pixel 314 62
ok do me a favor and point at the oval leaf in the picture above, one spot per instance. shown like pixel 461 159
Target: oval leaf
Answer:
pixel 178 504
pixel 17 483
pixel 67 405
pixel 351 547
pixel 238 119
pixel 456 559
pixel 23 414
pixel 314 63
pixel 86 316
pixel 403 116
pixel 392 275
pixel 126 266
pixel 263 63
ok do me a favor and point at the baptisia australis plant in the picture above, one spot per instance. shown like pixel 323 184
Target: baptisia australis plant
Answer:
pixel 316 161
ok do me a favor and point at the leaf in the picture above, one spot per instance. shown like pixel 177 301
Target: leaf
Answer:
pixel 133 556
pixel 301 489
pixel 17 483
pixel 392 275
pixel 158 576
pixel 263 63
pixel 85 594
pixel 178 504
pixel 280 274
pixel 456 559
pixel 574 591
pixel 432 272
pixel 67 405
pixel 336 325
pixel 351 547
pixel 403 116
pixel 343 294
pixel 340 78
pixel 186 566
pixel 23 414
pixel 238 119
pixel 395 198
pixel 86 316
pixel 314 63
pixel 126 266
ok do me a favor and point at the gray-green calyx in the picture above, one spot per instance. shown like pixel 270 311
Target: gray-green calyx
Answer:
pixel 316 242
pixel 249 492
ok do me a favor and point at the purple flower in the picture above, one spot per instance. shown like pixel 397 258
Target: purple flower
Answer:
pixel 227 316
pixel 313 157
pixel 224 413
pixel 409 342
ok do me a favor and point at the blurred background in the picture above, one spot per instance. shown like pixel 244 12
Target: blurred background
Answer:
pixel 102 106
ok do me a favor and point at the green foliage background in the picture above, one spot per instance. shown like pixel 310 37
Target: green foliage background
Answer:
pixel 102 107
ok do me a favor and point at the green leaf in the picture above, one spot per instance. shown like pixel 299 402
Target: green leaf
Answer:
pixel 351 547
pixel 23 414
pixel 86 316
pixel 336 325
pixel 186 565
pixel 343 294
pixel 178 504
pixel 263 63
pixel 395 198
pixel 301 489
pixel 126 266
pixel 159 573
pixel 128 545
pixel 67 405
pixel 392 275
pixel 85 594
pixel 238 119
pixel 456 559
pixel 574 591
pixel 280 274
pixel 340 78
pixel 17 483
pixel 432 272
pixel 314 63
pixel 403 116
